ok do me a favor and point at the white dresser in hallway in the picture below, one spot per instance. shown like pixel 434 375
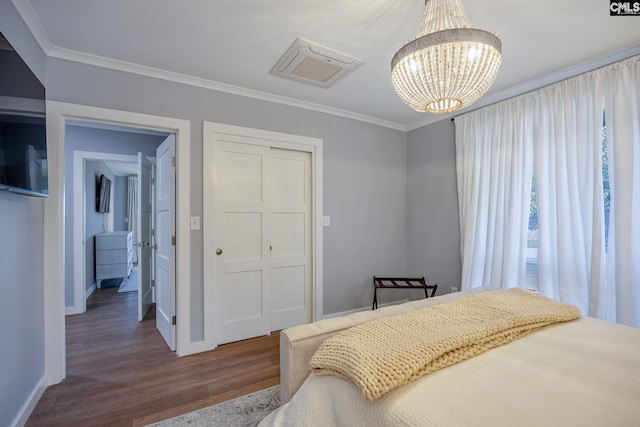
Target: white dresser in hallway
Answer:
pixel 114 255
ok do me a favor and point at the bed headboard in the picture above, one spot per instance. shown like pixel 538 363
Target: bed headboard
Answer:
pixel 299 343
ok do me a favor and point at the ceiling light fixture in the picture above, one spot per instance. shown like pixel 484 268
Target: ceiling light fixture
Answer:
pixel 449 65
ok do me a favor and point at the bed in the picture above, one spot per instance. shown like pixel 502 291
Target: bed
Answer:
pixel 582 372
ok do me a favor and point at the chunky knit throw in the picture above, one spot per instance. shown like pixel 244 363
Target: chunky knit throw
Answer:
pixel 384 354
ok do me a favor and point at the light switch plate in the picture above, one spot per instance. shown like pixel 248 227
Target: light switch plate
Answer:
pixel 326 221
pixel 195 223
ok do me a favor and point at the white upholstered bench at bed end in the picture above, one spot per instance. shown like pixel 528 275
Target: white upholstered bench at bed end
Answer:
pixel 299 343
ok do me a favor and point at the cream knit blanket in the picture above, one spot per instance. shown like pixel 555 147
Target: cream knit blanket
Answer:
pixel 384 354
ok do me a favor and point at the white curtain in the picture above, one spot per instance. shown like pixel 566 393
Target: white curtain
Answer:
pixel 132 211
pixel 568 164
pixel 561 124
pixel 494 156
pixel 620 88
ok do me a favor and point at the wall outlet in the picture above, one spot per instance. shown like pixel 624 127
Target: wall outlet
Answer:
pixel 454 289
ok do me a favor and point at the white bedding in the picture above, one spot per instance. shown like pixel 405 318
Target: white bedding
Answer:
pixel 583 373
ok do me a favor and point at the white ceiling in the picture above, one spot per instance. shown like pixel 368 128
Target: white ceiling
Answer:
pixel 123 168
pixel 231 45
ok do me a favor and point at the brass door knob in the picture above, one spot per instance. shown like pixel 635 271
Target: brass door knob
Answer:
pixel 218 251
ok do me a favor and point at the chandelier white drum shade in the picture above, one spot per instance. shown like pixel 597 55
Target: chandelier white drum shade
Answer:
pixel 449 65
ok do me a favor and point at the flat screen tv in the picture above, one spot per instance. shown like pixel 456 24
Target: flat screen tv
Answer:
pixel 23 154
pixel 23 147
pixel 103 194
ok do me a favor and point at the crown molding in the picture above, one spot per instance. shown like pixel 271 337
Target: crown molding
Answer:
pixel 33 24
pixel 113 64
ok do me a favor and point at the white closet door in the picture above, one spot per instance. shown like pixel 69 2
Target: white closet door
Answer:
pixel 242 228
pixel 291 275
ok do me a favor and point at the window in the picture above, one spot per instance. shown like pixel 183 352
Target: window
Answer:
pixel 606 191
pixel 532 240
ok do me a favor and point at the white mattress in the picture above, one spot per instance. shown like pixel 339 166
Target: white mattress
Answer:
pixel 583 373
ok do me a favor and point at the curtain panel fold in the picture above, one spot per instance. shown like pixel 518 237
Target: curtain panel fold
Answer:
pixel 494 157
pixel 567 123
pixel 619 86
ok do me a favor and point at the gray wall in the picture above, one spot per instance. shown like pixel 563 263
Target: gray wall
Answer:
pixel 120 189
pixel 81 138
pixel 434 227
pixel 21 262
pixel 364 171
pixel 365 194
pixel 22 301
pixel 95 222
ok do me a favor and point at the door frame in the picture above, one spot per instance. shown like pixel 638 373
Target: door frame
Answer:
pixel 58 113
pixel 79 211
pixel 211 132
pixel 145 300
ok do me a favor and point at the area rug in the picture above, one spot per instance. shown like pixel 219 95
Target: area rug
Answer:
pixel 111 283
pixel 128 286
pixel 130 283
pixel 243 411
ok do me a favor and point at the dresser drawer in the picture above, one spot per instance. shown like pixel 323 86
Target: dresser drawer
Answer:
pixel 108 271
pixel 105 242
pixel 115 256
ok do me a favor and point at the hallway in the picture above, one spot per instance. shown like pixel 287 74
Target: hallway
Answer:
pixel 121 373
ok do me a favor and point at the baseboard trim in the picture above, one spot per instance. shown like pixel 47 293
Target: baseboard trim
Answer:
pixel 79 308
pixel 195 347
pixel 89 291
pixel 346 313
pixel 68 311
pixel 25 412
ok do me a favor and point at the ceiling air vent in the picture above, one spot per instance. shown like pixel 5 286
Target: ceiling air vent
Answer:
pixel 310 63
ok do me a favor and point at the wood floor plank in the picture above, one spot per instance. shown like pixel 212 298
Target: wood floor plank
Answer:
pixel 121 373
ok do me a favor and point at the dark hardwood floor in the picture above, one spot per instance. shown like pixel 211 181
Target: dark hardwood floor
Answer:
pixel 121 373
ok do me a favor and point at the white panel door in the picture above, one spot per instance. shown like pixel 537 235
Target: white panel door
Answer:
pixel 242 247
pixel 165 289
pixel 145 295
pixel 291 272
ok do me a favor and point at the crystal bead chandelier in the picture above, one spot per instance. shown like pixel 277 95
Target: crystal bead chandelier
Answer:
pixel 449 65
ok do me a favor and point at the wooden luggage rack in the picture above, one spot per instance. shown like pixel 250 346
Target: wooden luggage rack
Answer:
pixel 401 283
